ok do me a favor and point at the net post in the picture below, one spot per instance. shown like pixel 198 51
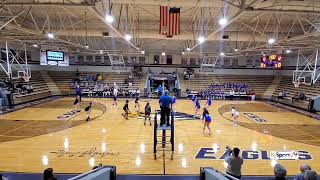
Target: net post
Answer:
pixel 155 124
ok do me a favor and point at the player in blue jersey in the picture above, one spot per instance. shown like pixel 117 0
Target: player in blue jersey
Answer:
pixel 193 99
pixel 206 119
pixel 209 102
pixel 173 103
pixel 197 107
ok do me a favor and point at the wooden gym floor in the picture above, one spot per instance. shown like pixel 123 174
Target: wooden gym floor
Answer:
pixel 34 138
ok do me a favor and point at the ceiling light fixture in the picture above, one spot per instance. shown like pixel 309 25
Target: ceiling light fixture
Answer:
pixel 271 40
pixel 50 35
pixel 223 21
pixel 128 37
pixel 109 18
pixel 201 39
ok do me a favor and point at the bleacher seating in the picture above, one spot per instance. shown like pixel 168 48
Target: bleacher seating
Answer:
pixel 200 82
pixel 63 80
pixel 287 85
pixel 40 89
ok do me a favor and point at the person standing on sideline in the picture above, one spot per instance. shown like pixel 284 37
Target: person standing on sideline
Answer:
pixel 115 92
pixel 114 102
pixel 234 114
pixel 88 111
pixel 147 113
pixel 165 102
pixel 78 92
pixel 209 102
pixel 173 103
pixel 126 110
pixel 160 90
pixel 77 104
pixel 197 107
pixel 234 162
pixel 232 93
pixel 206 120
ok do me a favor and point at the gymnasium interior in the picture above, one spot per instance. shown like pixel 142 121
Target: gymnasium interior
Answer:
pixel 69 68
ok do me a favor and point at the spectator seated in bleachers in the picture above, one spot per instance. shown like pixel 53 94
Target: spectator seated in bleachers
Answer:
pixel 136 72
pixel 94 86
pixel 221 91
pixel 299 97
pixel 280 95
pixel 188 73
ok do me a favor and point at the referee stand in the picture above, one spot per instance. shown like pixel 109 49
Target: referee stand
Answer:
pixel 163 136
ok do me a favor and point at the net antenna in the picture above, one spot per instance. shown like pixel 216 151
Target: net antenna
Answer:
pixel 14 62
pixel 307 71
pixel 117 62
pixel 208 63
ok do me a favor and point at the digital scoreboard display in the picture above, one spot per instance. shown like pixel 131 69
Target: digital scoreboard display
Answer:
pixel 55 56
pixel 271 61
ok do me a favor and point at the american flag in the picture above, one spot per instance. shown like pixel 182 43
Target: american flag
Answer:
pixel 169 21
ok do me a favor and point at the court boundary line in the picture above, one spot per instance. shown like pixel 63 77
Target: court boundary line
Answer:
pixel 16 128
pixel 31 103
pixel 27 137
pixel 303 132
pixel 221 114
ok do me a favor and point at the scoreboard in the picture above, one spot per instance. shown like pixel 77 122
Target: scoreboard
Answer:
pixel 271 61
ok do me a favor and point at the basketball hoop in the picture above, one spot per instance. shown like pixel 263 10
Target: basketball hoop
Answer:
pixel 296 84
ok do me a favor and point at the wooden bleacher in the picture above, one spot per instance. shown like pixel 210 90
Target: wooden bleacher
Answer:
pixel 63 80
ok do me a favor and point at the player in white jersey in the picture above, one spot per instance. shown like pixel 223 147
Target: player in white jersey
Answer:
pixel 115 94
pixel 234 114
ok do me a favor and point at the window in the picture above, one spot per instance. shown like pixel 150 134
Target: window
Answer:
pixel 142 60
pixel 106 59
pixel 80 59
pixel 235 62
pixel 193 61
pixel 73 59
pixel 156 59
pixel 257 62
pixel 184 61
pixel 226 62
pixel 249 62
pixel 169 59
pixel 89 59
pixel 98 59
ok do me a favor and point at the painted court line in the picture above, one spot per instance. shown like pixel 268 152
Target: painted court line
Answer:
pixel 16 128
pixel 304 132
